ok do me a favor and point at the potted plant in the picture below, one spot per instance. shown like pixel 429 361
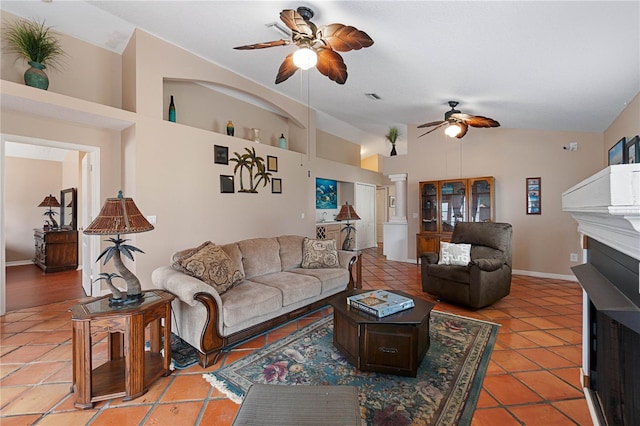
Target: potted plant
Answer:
pixel 38 45
pixel 392 136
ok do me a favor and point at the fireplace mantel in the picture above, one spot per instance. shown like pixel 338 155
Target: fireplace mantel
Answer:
pixel 607 207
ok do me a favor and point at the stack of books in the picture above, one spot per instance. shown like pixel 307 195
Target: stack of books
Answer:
pixel 380 302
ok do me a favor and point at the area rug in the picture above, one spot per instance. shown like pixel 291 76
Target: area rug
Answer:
pixel 445 391
pixel 183 355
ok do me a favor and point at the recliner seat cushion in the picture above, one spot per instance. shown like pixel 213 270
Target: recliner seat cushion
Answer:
pixel 450 272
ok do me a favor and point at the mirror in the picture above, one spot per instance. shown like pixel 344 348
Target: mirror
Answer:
pixel 68 209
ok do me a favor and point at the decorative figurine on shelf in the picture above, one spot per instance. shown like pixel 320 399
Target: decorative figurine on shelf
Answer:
pixel 392 137
pixel 230 128
pixel 256 134
pixel 282 141
pixel 172 111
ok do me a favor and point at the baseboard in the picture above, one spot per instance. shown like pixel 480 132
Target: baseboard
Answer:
pixel 20 263
pixel 545 275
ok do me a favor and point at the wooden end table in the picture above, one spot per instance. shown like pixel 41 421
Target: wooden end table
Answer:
pixel 395 344
pixel 130 369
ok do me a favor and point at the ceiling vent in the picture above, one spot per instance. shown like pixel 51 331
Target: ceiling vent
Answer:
pixel 373 96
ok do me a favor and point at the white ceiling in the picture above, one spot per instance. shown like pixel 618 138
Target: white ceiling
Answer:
pixel 571 65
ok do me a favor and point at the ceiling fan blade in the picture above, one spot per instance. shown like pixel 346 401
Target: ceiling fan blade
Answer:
pixel 331 64
pixel 476 120
pixel 435 128
pixel 343 38
pixel 463 129
pixel 287 69
pixel 431 123
pixel 296 22
pixel 264 45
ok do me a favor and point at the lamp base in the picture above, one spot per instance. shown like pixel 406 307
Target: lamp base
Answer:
pixel 126 299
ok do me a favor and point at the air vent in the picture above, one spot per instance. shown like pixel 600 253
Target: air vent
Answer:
pixel 276 26
pixel 373 96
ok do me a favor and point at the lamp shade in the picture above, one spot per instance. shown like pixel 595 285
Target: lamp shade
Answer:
pixel 347 213
pixel 452 130
pixel 118 216
pixel 305 58
pixel 49 201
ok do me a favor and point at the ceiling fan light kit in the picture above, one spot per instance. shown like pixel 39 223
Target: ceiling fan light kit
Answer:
pixel 458 123
pixel 318 47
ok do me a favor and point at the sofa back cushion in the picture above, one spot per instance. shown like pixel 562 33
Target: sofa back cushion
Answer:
pixel 260 256
pixel 290 251
pixel 233 251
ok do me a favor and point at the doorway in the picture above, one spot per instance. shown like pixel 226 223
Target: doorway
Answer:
pixel 89 195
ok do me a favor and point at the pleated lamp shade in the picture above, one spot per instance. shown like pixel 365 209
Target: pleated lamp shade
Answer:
pixel 49 201
pixel 118 216
pixel 347 212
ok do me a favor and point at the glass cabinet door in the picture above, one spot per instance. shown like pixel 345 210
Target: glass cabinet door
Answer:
pixel 481 204
pixel 452 203
pixel 429 207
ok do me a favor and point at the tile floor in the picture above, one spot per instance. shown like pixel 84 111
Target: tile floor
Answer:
pixel 533 376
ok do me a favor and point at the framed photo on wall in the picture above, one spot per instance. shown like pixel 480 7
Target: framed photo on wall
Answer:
pixel 226 184
pixel 220 154
pixel 534 199
pixel 617 153
pixel 272 163
pixel 276 186
pixel 633 150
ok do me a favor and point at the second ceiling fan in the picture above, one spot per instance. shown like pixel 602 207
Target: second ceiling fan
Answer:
pixel 458 123
pixel 317 46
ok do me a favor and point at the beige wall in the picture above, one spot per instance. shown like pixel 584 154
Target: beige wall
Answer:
pixel 27 183
pixel 541 243
pixel 334 148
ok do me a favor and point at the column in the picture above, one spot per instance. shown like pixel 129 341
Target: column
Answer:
pixel 395 237
pixel 400 181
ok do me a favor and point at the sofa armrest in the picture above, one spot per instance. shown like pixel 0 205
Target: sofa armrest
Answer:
pixel 344 258
pixel 183 286
pixel 430 257
pixel 487 265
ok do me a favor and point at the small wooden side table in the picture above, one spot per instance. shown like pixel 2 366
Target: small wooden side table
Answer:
pixel 130 369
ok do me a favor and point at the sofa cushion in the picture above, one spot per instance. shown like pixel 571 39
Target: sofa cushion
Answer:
pixel 248 300
pixel 450 272
pixel 294 287
pixel 319 254
pixel 212 265
pixel 331 278
pixel 454 254
pixel 260 256
pixel 234 253
pixel 290 251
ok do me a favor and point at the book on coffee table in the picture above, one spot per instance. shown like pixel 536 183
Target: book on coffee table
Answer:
pixel 380 302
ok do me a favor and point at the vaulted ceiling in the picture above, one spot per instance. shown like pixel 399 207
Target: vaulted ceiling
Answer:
pixel 554 65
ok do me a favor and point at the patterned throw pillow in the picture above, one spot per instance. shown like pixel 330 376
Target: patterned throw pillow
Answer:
pixel 212 265
pixel 319 254
pixel 454 254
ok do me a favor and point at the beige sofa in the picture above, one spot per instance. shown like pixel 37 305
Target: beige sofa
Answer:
pixel 275 289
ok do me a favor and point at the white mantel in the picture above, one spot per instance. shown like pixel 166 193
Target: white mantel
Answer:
pixel 607 207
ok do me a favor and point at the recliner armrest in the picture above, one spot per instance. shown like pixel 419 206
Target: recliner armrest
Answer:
pixel 430 257
pixel 487 265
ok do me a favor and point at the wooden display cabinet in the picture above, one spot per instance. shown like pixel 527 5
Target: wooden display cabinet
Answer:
pixel 444 203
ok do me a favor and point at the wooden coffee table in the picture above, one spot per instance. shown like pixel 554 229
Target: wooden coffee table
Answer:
pixel 395 344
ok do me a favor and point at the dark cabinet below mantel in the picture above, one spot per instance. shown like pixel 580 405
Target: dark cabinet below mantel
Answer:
pixel 56 250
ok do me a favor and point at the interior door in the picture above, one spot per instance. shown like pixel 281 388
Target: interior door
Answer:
pixel 381 212
pixel 365 205
pixel 89 244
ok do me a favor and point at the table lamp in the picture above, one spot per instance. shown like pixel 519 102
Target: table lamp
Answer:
pixel 120 216
pixel 347 213
pixel 50 201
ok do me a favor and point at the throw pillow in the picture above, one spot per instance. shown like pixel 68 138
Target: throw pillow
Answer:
pixel 319 254
pixel 212 265
pixel 454 254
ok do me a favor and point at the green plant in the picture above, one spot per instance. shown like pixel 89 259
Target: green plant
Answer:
pixel 393 135
pixel 35 42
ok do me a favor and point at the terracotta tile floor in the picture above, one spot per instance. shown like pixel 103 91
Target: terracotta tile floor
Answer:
pixel 532 379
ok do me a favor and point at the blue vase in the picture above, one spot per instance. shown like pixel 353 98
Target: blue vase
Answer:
pixel 36 77
pixel 282 141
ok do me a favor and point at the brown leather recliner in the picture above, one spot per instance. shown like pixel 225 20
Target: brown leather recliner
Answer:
pixel 487 277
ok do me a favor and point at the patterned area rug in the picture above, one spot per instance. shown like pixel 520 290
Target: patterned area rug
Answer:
pixel 445 391
pixel 183 355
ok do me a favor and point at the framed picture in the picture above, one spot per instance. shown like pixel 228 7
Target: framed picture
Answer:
pixel 326 194
pixel 392 201
pixel 272 163
pixel 220 154
pixel 633 150
pixel 534 196
pixel 226 184
pixel 616 153
pixel 276 186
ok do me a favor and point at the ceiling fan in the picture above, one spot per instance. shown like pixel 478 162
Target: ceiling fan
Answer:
pixel 317 46
pixel 459 123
